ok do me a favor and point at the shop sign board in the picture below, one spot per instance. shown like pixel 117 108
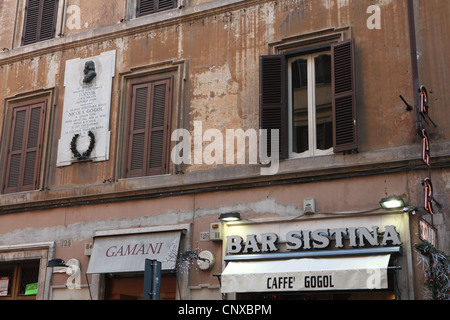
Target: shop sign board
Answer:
pixel 316 239
pixel 31 289
pixel 127 253
pixel 4 284
pixel 427 232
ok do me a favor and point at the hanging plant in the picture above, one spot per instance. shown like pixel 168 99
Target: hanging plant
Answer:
pixel 436 267
pixel 85 155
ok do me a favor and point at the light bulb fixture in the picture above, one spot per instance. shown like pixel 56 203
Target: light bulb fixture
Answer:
pixel 412 210
pixel 394 202
pixel 230 217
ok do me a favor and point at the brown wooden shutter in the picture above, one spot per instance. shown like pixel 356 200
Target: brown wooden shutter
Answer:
pixel 138 130
pixel 345 135
pixel 25 148
pixel 273 100
pixel 148 151
pixel 40 21
pixel 145 7
pixel 48 21
pixel 166 4
pixel 159 127
pixel 32 12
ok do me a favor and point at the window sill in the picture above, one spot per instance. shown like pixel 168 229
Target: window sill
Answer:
pixel 308 154
pixel 145 178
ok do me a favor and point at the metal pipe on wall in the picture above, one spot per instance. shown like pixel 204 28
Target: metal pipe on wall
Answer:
pixel 414 64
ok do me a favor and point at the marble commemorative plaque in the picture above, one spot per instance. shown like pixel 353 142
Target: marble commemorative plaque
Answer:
pixel 85 132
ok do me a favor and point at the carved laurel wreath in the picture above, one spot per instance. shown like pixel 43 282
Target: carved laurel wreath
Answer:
pixel 87 153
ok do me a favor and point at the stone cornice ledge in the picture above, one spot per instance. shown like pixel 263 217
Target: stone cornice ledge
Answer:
pixel 230 177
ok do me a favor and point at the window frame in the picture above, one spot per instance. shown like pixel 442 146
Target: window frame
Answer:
pixel 274 94
pixel 312 151
pixel 147 171
pixel 15 282
pixel 156 9
pixel 26 105
pixel 38 252
pixel 36 36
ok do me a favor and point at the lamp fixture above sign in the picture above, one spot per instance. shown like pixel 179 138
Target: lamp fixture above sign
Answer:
pixel 394 202
pixel 230 217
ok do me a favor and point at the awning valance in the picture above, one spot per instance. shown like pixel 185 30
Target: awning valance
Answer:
pixel 127 253
pixel 308 274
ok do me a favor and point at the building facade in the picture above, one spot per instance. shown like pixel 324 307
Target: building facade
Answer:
pixel 127 128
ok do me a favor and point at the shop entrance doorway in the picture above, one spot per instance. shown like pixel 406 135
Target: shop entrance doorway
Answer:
pixel 119 287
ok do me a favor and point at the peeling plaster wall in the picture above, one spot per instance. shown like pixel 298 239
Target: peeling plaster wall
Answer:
pixel 77 225
pixel 221 49
pixel 84 15
pixel 226 48
pixel 7 10
pixel 433 34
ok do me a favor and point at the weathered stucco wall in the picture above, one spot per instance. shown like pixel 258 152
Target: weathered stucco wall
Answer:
pixel 219 44
pixel 83 15
pixel 221 47
pixel 222 50
pixel 7 12
pixel 433 33
pixel 72 227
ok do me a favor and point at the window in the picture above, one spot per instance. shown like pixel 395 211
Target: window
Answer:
pixel 40 21
pixel 309 95
pixel 24 147
pixel 145 7
pixel 148 133
pixel 310 105
pixel 16 279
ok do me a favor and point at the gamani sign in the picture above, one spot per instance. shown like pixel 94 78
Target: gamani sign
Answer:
pixel 127 253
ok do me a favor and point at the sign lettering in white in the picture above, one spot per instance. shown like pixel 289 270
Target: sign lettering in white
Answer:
pixel 128 253
pixel 87 107
pixel 316 239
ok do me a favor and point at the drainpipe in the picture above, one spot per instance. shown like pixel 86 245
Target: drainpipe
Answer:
pixel 414 65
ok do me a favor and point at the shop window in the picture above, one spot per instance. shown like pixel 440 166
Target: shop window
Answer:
pixel 19 281
pixel 309 96
pixel 148 128
pixel 39 21
pixel 24 147
pixel 145 7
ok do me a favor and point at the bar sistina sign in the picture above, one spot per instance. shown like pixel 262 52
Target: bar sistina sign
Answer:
pixel 317 239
